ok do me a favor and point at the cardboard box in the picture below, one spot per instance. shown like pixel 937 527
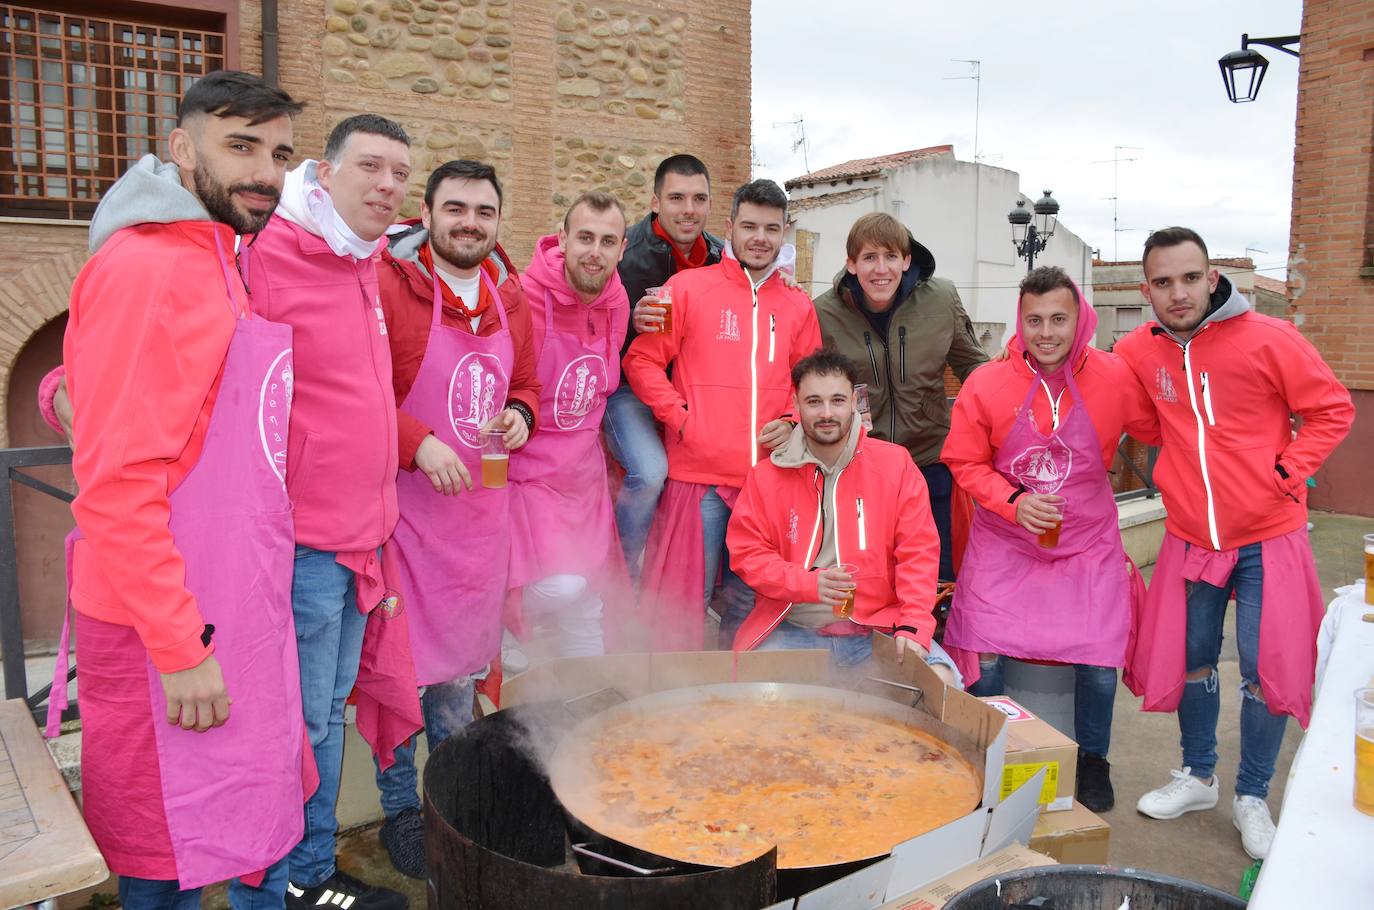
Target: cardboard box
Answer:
pixel 1033 744
pixel 1075 836
pixel 938 893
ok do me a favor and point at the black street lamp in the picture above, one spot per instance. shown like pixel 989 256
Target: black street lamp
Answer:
pixel 1028 235
pixel 1243 71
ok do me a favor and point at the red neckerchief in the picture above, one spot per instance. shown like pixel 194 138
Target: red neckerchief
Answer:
pixel 697 257
pixel 451 299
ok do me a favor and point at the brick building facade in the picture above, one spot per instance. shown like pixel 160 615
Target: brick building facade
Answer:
pixel 1331 272
pixel 561 96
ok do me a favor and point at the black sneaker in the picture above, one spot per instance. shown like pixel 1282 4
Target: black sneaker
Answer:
pixel 404 839
pixel 1095 783
pixel 344 892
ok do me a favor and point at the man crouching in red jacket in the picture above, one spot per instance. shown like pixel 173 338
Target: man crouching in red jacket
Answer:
pixel 835 535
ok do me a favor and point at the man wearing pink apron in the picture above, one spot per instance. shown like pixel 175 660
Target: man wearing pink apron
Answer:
pixel 460 337
pixel 1031 440
pixel 180 568
pixel 562 526
pixel 1226 382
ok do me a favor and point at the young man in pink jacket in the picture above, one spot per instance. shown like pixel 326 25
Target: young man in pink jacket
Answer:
pixel 314 268
pixel 834 533
pixel 1225 382
pixel 737 330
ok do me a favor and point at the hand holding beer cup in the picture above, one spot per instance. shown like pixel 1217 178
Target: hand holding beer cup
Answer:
pixel 495 457
pixel 653 313
pixel 835 588
pixel 1040 513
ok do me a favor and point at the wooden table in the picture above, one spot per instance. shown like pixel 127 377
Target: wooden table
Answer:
pixel 45 849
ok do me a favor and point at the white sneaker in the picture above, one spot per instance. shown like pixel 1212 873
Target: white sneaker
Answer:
pixel 1250 815
pixel 513 658
pixel 1185 793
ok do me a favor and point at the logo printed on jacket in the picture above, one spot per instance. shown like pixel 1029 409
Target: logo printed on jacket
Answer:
pixel 1164 386
pixel 1043 469
pixel 791 525
pixel 729 326
pixel 580 390
pixel 472 395
pixel 274 412
pixel 381 317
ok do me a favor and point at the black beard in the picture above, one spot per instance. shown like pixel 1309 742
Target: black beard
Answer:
pixel 218 201
pixel 452 256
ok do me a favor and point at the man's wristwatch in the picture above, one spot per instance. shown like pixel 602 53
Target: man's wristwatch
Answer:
pixel 524 411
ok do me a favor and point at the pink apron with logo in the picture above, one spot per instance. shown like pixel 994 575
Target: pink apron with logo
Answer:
pixel 452 553
pixel 1070 603
pixel 562 521
pixel 231 796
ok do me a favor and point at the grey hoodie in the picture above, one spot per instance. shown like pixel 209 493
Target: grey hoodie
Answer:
pixel 150 192
pixel 795 454
pixel 1225 303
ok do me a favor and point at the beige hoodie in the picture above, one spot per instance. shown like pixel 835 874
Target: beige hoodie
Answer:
pixel 794 454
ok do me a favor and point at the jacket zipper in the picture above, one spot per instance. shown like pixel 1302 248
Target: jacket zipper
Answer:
pixel 1201 445
pixel 891 392
pixel 820 516
pixel 863 532
pixel 835 513
pixel 754 376
pixel 1207 399
pixel 772 333
pixel 901 349
pixel 872 360
pixel 376 307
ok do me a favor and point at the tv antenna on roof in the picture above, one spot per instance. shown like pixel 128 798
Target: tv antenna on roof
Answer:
pixel 976 74
pixel 1115 161
pixel 799 138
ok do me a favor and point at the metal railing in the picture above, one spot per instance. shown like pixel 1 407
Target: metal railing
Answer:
pixel 11 619
pixel 1149 490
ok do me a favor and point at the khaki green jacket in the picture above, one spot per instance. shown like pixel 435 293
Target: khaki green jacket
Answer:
pixel 905 370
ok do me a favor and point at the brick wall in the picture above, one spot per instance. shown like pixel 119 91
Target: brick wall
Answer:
pixel 1331 274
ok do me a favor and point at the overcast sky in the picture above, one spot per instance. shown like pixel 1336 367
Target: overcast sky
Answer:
pixel 1063 82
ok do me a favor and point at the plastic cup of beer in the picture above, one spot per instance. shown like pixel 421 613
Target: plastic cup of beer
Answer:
pixel 1049 539
pixel 495 458
pixel 665 300
pixel 1369 569
pixel 846 609
pixel 1364 750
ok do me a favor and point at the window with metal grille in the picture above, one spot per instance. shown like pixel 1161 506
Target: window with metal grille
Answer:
pixel 83 97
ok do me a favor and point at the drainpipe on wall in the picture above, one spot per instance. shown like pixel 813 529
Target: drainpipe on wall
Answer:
pixel 269 41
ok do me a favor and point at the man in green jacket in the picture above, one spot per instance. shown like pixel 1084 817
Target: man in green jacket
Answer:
pixel 889 313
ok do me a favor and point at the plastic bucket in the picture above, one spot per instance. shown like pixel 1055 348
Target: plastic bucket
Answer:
pixel 1089 888
pixel 1045 689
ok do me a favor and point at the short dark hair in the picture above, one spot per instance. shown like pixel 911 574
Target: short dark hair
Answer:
pixel 760 192
pixel 230 93
pixel 826 361
pixel 1045 279
pixel 682 165
pixel 373 124
pixel 597 201
pixel 1171 236
pixel 462 169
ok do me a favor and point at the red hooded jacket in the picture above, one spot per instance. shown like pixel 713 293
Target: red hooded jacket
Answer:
pixel 884 526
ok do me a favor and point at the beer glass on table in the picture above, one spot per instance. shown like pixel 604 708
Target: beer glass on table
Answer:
pixel 1364 750
pixel 1369 569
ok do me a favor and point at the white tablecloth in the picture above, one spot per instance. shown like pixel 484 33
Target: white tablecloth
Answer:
pixel 1321 855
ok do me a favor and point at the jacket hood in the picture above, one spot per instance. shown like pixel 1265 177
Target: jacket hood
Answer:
pixel 405 238
pixel 1082 339
pixel 795 453
pixel 1225 303
pixel 150 192
pixel 546 273
pixel 307 204
pixel 922 266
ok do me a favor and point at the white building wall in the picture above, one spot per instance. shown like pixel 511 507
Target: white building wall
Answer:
pixel 944 202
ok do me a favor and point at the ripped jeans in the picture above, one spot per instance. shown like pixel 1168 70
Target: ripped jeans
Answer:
pixel 1261 733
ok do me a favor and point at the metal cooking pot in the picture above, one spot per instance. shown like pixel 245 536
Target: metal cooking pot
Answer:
pixel 565 776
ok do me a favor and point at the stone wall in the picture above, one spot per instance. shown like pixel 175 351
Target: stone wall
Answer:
pixel 620 60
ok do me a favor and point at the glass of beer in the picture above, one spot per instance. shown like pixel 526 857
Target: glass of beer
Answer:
pixel 665 300
pixel 1364 750
pixel 846 609
pixel 1369 569
pixel 495 458
pixel 1050 538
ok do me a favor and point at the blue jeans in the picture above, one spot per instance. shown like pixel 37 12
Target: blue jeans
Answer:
pixel 737 598
pixel 1094 697
pixel 447 709
pixel 940 485
pixel 1261 733
pixel 845 650
pixel 152 894
pixel 634 441
pixel 329 640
